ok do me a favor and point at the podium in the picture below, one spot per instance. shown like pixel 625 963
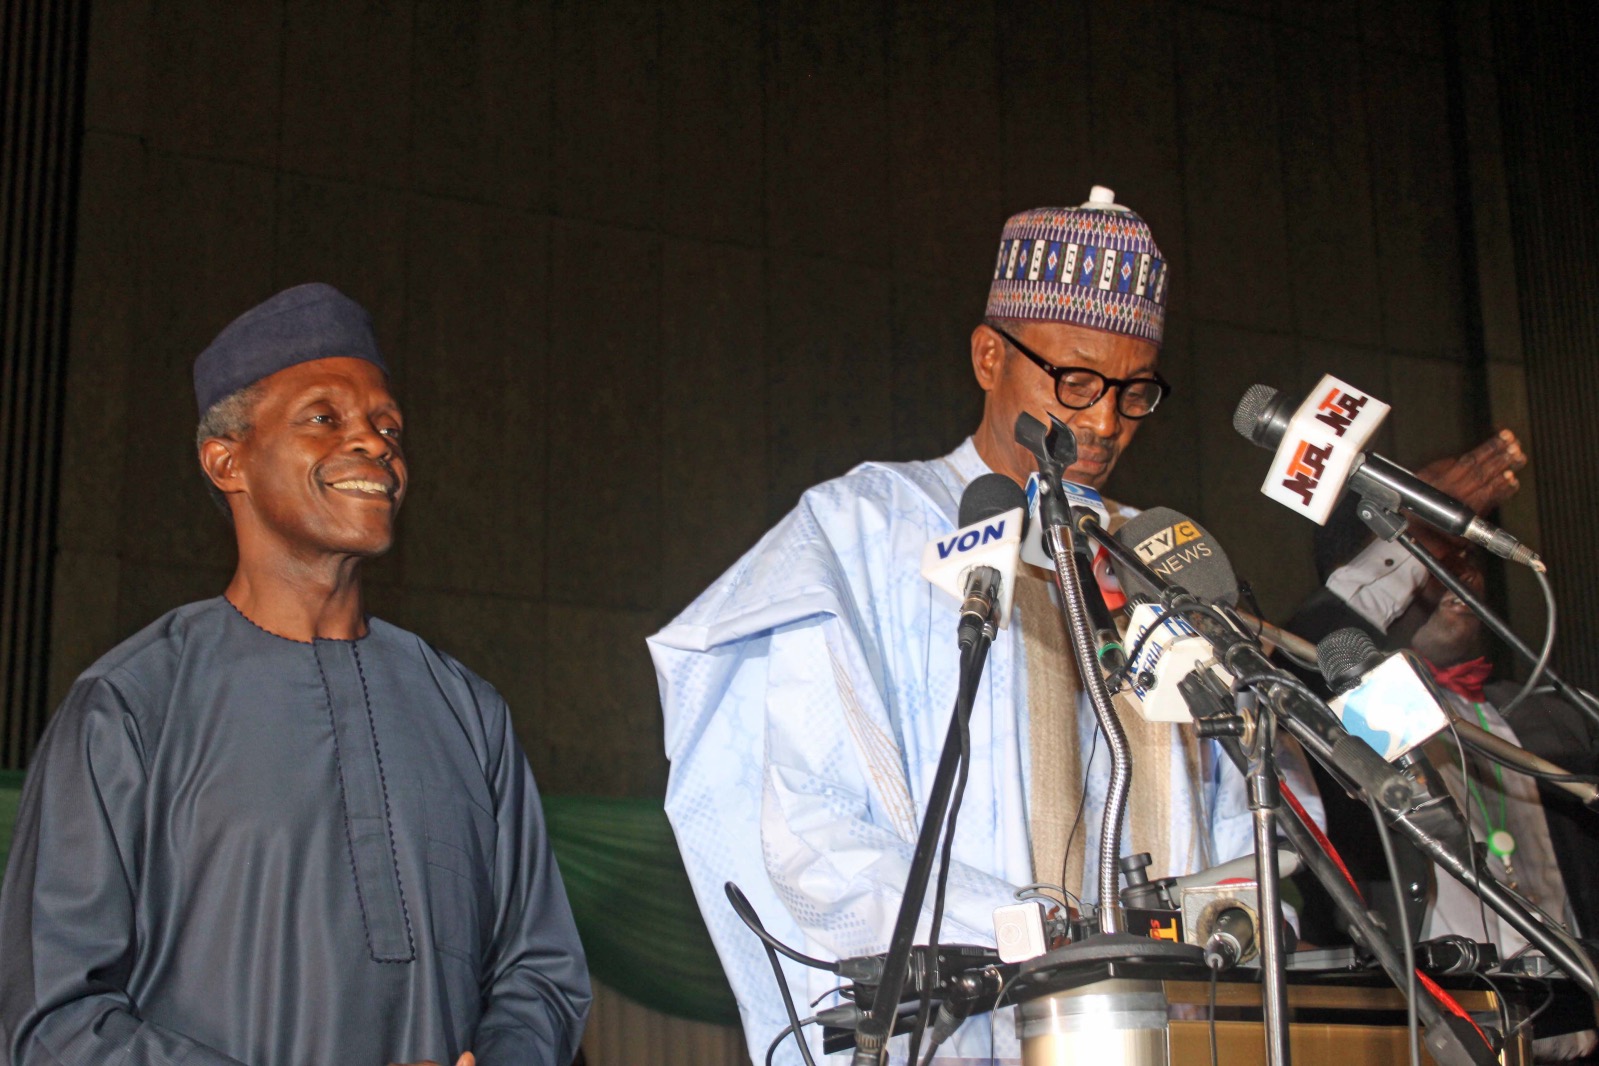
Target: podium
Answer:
pixel 1129 1013
pixel 1329 1024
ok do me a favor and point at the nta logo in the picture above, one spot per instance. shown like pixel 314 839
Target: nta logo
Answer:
pixel 1304 472
pixel 1338 409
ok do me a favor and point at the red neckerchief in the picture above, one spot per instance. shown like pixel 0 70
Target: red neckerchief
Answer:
pixel 1464 679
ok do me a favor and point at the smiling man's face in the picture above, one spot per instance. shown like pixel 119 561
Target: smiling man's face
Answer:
pixel 1452 632
pixel 321 472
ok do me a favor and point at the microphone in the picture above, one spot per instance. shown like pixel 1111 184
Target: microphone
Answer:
pixel 1082 499
pixel 1210 577
pixel 977 563
pixel 1220 907
pixel 1387 701
pixel 1180 552
pixel 1490 744
pixel 1318 445
pixel 1231 941
pixel 1076 496
pixel 1169 649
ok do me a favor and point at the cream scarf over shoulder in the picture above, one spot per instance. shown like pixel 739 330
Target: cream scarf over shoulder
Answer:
pixel 1053 689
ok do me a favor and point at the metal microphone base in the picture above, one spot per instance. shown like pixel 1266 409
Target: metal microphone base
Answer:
pixel 1118 1022
pixel 1069 1012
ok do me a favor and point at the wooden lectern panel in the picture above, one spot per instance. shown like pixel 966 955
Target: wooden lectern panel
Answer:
pixel 1374 1033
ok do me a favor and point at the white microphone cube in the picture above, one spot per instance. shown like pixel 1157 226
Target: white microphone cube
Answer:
pixel 1320 448
pixel 1171 650
pixel 1019 931
pixel 1393 709
pixel 993 542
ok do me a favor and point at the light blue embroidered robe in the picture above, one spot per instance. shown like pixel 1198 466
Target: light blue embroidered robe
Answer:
pixel 807 694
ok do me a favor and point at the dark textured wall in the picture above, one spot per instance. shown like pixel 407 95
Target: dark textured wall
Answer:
pixel 646 270
pixel 1552 158
pixel 41 111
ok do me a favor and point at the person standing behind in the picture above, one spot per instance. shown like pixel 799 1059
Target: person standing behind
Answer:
pixel 1501 805
pixel 269 828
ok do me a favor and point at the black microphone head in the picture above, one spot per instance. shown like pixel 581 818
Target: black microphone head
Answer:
pixel 1344 656
pixel 1261 417
pixel 1182 553
pixel 988 496
pixel 1248 411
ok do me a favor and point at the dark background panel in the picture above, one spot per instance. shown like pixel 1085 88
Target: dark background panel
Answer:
pixel 646 271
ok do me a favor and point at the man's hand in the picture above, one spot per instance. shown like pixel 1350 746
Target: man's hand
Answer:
pixel 1482 478
pixel 466 1059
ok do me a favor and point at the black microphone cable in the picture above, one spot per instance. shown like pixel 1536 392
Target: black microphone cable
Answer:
pixel 1548 646
pixel 799 1038
pixel 1530 771
pixel 746 912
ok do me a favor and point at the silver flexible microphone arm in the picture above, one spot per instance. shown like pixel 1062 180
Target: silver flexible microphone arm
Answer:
pixel 1056 449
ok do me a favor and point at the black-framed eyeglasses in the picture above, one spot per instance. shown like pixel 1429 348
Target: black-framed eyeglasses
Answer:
pixel 1080 387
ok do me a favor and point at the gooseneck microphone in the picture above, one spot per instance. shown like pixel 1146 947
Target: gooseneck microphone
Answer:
pixel 1310 440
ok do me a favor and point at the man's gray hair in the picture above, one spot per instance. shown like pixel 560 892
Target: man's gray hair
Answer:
pixel 1012 326
pixel 229 417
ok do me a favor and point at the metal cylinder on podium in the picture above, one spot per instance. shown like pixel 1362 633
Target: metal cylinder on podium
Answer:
pixel 1115 1022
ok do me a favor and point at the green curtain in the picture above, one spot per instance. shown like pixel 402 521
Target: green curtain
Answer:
pixel 635 910
pixel 10 796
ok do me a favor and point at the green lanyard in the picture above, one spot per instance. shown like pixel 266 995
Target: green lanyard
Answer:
pixel 1500 840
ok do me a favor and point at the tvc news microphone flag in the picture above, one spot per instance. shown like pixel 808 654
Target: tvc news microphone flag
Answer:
pixel 1325 439
pixel 992 539
pixel 1181 552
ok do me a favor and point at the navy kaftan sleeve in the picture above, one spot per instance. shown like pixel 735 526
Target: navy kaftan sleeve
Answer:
pixel 68 907
pixel 535 979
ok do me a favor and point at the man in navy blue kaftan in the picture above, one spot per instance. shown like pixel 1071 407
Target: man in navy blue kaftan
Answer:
pixel 267 828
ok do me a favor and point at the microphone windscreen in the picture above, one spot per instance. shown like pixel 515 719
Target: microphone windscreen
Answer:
pixel 1344 656
pixel 1182 553
pixel 990 495
pixel 1249 415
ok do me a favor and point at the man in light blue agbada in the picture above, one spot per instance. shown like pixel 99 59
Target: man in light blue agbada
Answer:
pixel 807 692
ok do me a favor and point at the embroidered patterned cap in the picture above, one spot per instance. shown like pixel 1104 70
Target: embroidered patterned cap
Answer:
pixel 1094 265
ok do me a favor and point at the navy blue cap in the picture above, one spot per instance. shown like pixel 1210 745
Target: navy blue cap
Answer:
pixel 313 321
